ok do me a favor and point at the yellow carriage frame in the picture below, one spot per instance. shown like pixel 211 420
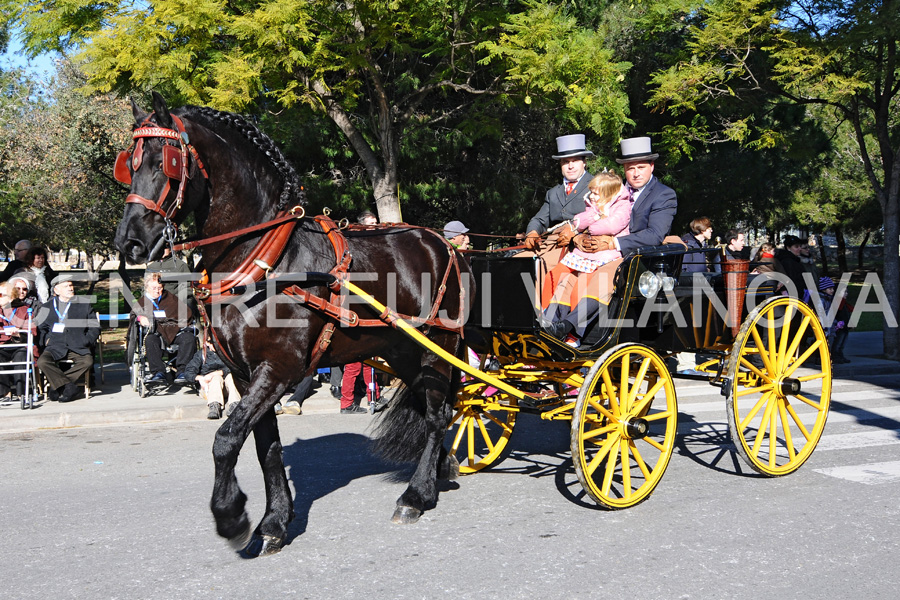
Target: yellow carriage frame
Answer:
pixel 621 400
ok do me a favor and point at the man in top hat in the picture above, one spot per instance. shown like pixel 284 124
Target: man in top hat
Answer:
pixel 565 200
pixel 68 329
pixel 652 211
pixel 653 204
pixel 455 233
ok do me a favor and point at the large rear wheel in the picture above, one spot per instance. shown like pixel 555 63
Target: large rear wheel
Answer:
pixel 623 427
pixel 780 373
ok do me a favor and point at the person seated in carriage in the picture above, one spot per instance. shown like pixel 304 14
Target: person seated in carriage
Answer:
pixel 607 212
pixel 170 325
pixel 652 211
pixel 701 231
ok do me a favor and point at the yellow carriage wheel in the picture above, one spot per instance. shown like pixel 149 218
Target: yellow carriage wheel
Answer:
pixel 480 430
pixel 780 373
pixel 623 427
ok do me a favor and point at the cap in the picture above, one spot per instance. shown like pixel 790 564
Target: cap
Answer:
pixel 453 229
pixel 825 283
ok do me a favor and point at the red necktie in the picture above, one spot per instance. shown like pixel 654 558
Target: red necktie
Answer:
pixel 570 185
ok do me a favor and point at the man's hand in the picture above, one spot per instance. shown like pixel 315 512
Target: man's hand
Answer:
pixel 564 236
pixel 588 243
pixel 533 240
pixel 144 321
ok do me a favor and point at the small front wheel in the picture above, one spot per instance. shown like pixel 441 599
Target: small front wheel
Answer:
pixel 623 427
pixel 480 433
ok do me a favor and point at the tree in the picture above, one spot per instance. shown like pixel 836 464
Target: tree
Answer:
pixel 379 69
pixel 840 55
pixel 60 165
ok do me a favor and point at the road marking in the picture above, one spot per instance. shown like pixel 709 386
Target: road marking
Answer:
pixel 869 474
pixel 862 439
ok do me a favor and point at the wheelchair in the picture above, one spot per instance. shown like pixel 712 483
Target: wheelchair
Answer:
pixel 136 358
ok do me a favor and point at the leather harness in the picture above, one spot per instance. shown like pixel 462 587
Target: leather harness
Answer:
pixel 269 251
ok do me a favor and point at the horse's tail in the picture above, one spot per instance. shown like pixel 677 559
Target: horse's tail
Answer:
pixel 401 432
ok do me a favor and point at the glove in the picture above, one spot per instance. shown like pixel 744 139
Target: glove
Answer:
pixel 565 236
pixel 532 240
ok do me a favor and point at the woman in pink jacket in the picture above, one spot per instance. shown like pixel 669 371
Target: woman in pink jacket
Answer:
pixel 607 212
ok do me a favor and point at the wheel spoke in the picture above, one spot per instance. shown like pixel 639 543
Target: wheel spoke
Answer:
pixel 788 437
pixel 799 423
pixel 773 432
pixel 751 367
pixel 649 397
pixel 638 380
pixel 812 377
pixel 498 422
pixel 608 388
pixel 783 338
pixel 763 427
pixel 485 436
pixel 655 444
pixel 601 453
pixel 755 390
pixel 626 468
pixel 588 435
pixel 640 461
pixel 759 404
pixel 459 433
pixel 470 439
pixel 767 360
pixel 611 462
pixel 810 402
pixel 812 348
pixel 770 326
pixel 660 415
pixel 624 390
pixel 603 411
pixel 798 336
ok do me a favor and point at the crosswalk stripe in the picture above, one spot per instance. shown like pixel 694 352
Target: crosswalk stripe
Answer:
pixel 860 439
pixel 869 474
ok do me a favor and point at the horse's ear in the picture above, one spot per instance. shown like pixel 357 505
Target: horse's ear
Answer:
pixel 139 115
pixel 163 118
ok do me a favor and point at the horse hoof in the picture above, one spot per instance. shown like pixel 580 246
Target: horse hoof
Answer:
pixel 264 546
pixel 406 515
pixel 240 541
pixel 450 469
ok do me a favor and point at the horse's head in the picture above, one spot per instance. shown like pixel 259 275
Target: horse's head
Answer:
pixel 167 181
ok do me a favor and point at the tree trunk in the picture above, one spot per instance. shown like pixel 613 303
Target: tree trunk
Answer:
pixel 824 254
pixel 860 252
pixel 841 248
pixel 122 270
pixel 891 276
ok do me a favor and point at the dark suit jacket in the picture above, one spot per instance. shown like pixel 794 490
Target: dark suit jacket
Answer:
pixel 558 206
pixel 80 335
pixel 651 217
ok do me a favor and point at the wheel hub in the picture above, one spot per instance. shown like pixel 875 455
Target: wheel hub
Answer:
pixel 789 386
pixel 636 428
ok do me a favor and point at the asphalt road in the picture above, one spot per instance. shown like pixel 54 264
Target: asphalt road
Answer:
pixel 121 512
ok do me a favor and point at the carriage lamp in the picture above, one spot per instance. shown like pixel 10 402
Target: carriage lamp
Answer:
pixel 649 284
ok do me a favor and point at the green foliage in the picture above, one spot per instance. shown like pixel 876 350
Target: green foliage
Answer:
pixel 554 61
pixel 59 166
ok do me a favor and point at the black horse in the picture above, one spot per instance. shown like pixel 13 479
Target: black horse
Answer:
pixel 221 168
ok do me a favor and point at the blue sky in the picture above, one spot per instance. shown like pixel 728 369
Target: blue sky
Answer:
pixel 40 66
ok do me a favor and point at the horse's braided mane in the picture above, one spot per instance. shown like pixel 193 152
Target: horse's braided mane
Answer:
pixel 292 192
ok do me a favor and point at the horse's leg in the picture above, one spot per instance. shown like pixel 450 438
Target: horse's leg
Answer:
pixel 227 503
pixel 271 532
pixel 421 494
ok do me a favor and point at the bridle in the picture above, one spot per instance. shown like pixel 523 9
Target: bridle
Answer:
pixel 174 166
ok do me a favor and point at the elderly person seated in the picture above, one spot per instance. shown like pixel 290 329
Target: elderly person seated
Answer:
pixel 168 320
pixel 37 265
pixel 13 337
pixel 214 377
pixel 68 329
pixel 23 292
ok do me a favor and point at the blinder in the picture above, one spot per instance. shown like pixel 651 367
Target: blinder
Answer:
pixel 173 164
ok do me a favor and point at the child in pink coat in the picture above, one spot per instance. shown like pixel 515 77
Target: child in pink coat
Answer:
pixel 607 212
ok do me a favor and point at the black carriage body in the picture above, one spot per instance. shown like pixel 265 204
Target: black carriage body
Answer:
pixel 687 317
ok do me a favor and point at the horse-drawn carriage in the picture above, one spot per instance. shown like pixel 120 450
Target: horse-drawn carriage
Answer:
pixel 771 364
pixel 296 293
